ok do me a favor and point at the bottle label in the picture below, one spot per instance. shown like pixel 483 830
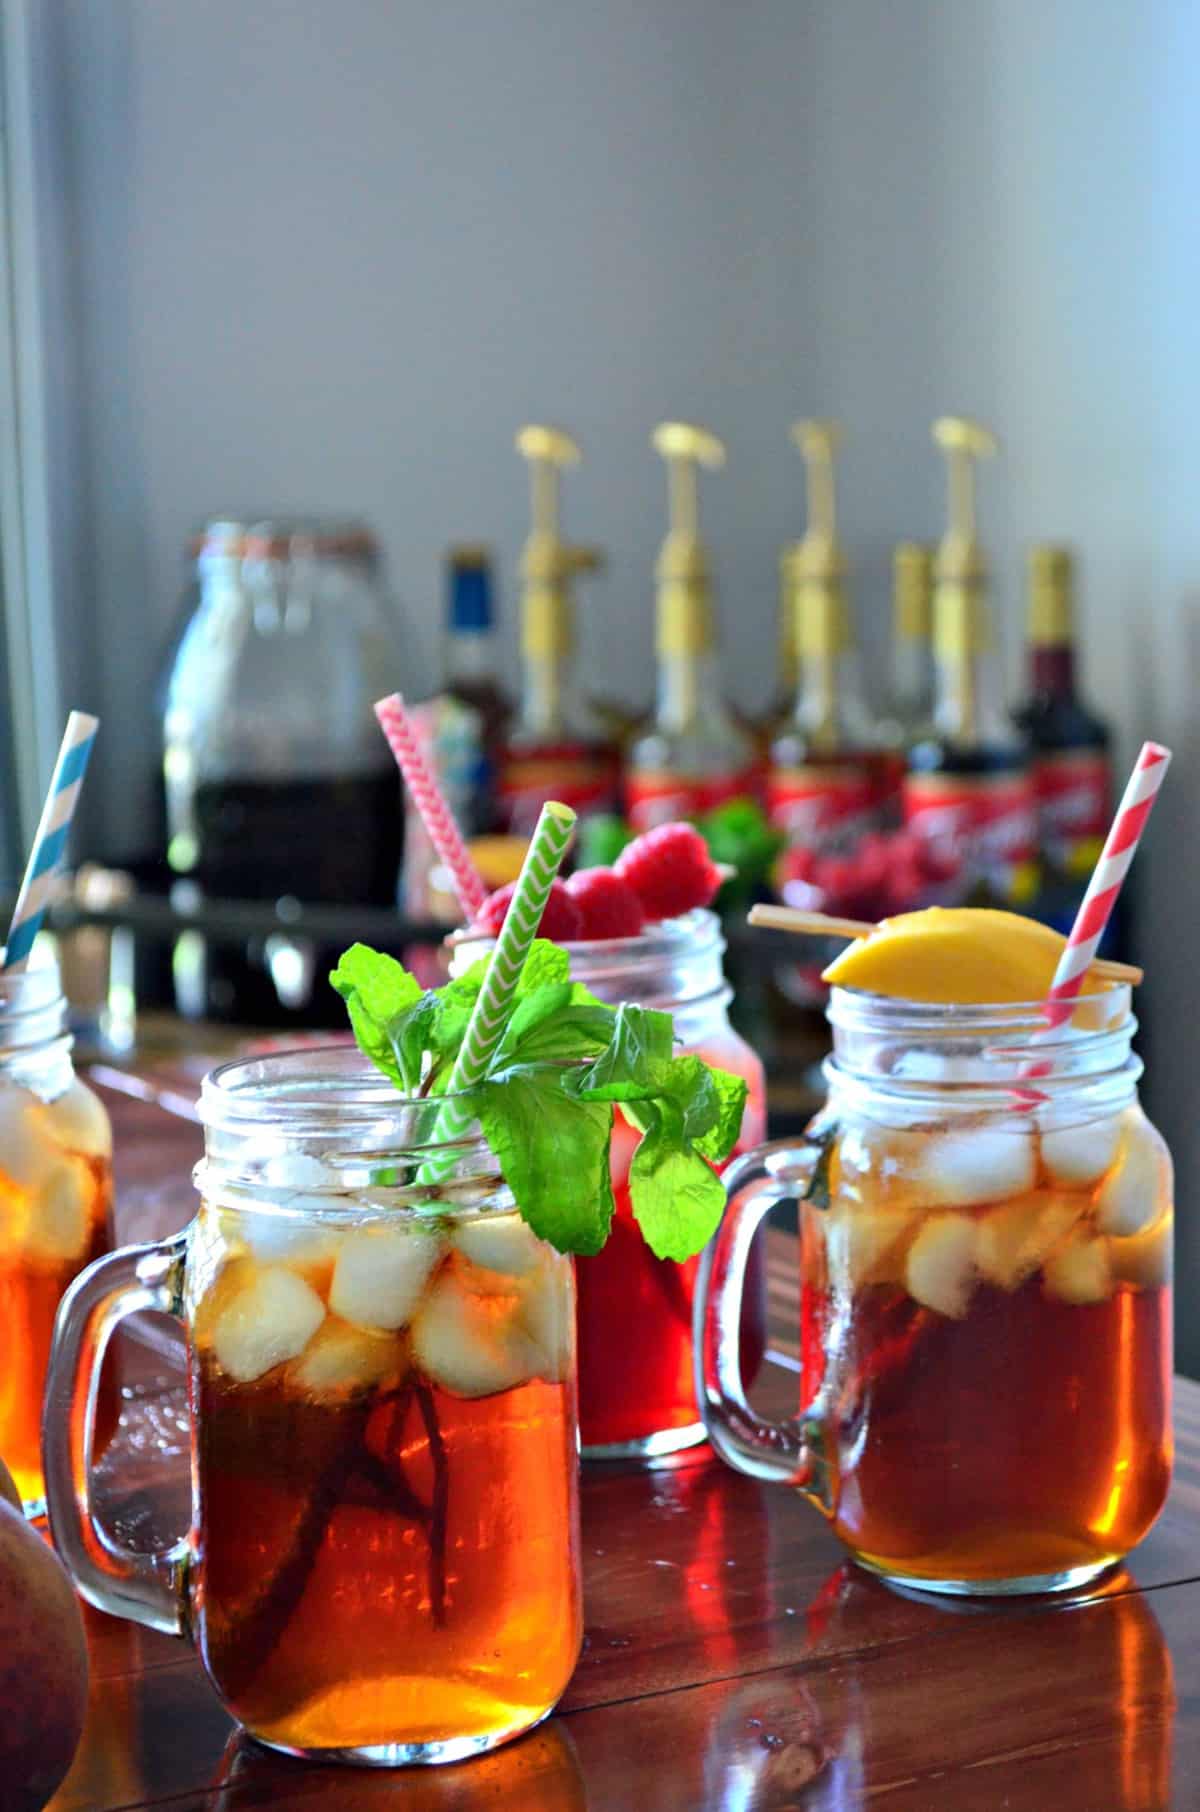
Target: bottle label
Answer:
pixel 827 808
pixel 1073 790
pixel 660 798
pixel 985 822
pixel 584 778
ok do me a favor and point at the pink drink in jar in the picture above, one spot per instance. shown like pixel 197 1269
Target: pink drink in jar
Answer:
pixel 636 1392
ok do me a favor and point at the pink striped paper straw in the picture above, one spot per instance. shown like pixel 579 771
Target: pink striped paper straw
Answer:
pixel 1149 772
pixel 430 801
pixel 1096 908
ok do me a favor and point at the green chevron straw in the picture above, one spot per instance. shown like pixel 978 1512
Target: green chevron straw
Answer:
pixel 485 1029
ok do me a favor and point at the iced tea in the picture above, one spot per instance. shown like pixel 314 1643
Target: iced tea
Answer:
pixel 986 1327
pixel 385 1467
pixel 55 1215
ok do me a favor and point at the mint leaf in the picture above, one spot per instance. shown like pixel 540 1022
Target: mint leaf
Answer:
pixel 677 1199
pixel 545 963
pixel 553 1153
pixel 377 991
pixel 731 1092
pixel 549 1026
pixel 410 1036
pixel 638 1059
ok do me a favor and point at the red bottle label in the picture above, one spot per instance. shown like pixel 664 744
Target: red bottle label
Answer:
pixel 987 822
pixel 1073 790
pixel 827 808
pixel 584 778
pixel 659 798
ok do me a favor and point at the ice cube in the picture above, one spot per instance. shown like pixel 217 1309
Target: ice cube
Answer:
pixel 548 1317
pixel 1014 1239
pixel 58 1225
pixel 340 1357
pixel 269 1315
pixel 290 1170
pixel 27 1153
pixel 981 1163
pixel 1079 1270
pixel 867 1245
pixel 500 1243
pixel 1144 1259
pixel 472 1345
pixel 941 1268
pixel 380 1273
pixel 78 1120
pixel 278 1238
pixel 876 1164
pixel 1140 1182
pixel 1081 1154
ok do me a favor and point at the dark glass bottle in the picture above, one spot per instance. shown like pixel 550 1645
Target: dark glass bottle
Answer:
pixel 1072 771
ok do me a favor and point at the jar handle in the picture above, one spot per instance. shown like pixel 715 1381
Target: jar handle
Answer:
pixel 788 1452
pixel 149 1588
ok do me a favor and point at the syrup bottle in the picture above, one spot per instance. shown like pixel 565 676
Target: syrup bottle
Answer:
pixel 968 791
pixel 693 756
pixel 556 747
pixel 828 779
pixel 1072 772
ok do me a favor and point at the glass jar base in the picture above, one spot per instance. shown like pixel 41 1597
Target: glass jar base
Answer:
pixel 649 1447
pixel 431 1754
pixel 1069 1579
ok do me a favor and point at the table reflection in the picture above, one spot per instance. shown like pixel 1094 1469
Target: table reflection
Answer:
pixel 539 1773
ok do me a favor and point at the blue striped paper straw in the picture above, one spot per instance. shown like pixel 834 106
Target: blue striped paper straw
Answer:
pixel 48 845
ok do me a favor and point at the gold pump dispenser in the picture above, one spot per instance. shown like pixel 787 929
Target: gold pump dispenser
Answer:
pixel 548 563
pixel 814 567
pixel 961 625
pixel 685 622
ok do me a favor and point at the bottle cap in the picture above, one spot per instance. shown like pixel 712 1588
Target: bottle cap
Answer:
pixel 814 568
pixel 469 590
pixel 1051 588
pixel 682 570
pixel 548 563
pixel 960 621
pixel 912 591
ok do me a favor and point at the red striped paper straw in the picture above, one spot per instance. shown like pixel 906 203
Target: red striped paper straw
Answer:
pixel 1149 772
pixel 430 802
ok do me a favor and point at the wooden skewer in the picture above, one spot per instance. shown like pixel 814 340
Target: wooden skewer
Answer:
pixel 824 924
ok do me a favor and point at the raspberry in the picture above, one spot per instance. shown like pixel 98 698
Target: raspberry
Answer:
pixel 561 918
pixel 670 870
pixel 608 903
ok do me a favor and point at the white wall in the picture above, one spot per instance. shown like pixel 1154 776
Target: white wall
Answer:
pixel 332 255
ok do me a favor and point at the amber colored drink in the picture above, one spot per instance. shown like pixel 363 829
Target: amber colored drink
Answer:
pixel 994 1373
pixel 55 1214
pixel 387 1535
pixel 640 1386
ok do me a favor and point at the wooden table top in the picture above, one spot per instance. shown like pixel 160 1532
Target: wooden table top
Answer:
pixel 732 1658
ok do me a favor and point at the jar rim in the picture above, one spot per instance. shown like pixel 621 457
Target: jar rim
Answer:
pixel 33 1009
pixel 1110 1005
pixel 333 1084
pixel 981 1051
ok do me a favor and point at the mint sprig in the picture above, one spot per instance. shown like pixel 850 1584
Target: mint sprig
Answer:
pixel 545 1106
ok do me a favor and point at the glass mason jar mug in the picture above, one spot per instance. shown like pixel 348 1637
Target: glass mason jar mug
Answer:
pixel 55 1206
pixel 636 1389
pixel 383 1564
pixel 985 1302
